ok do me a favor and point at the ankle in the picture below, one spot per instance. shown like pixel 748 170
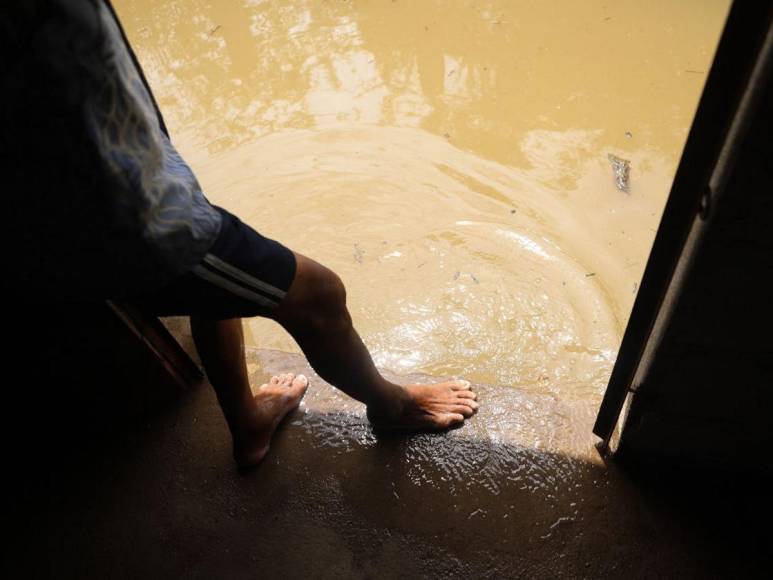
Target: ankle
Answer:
pixel 390 401
pixel 242 421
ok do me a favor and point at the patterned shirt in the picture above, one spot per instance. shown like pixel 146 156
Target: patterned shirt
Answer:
pixel 102 205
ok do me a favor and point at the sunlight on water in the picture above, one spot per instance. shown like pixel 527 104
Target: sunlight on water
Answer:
pixel 448 159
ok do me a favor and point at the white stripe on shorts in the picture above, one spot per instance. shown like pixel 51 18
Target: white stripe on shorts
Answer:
pixel 242 276
pixel 232 287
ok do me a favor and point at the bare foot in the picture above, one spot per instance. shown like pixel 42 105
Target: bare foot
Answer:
pixel 273 401
pixel 433 407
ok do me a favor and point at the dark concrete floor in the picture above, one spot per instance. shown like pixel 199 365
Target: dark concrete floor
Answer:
pixel 515 494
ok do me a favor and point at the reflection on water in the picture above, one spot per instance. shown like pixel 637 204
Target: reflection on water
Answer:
pixel 448 159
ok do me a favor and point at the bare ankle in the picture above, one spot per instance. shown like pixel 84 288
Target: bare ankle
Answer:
pixel 390 401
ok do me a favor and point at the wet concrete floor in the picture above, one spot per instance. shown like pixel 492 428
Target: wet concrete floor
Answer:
pixel 158 496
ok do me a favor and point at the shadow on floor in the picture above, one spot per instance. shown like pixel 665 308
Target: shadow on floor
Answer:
pixel 125 490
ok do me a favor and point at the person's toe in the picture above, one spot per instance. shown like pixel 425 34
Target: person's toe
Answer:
pixel 463 410
pixel 299 383
pixel 450 420
pixel 467 402
pixel 460 385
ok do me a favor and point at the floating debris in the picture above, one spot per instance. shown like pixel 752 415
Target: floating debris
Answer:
pixel 622 169
pixel 470 274
pixel 358 254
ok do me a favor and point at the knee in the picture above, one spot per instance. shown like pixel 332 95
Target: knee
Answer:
pixel 330 299
pixel 318 303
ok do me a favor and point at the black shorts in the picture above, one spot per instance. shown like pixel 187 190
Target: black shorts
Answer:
pixel 243 274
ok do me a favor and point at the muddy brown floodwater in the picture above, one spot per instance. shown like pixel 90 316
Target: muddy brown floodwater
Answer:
pixel 450 160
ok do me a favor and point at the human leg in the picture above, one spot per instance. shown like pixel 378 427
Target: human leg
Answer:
pixel 314 312
pixel 245 274
pixel 252 417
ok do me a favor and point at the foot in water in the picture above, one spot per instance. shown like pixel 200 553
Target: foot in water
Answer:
pixel 271 403
pixel 427 407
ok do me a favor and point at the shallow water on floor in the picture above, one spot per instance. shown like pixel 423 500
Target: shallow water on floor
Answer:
pixel 448 159
pixel 526 441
